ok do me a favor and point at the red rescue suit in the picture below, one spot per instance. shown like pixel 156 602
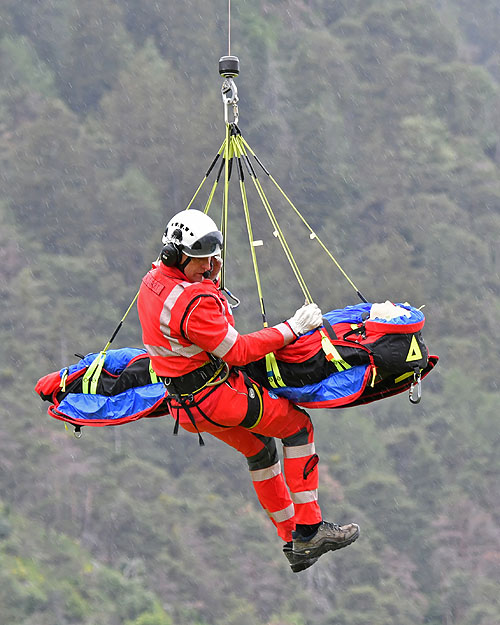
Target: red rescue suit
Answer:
pixel 182 323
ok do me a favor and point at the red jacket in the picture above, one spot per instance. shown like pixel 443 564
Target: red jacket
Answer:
pixel 184 321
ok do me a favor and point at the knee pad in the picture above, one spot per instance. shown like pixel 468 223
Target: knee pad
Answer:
pixel 266 457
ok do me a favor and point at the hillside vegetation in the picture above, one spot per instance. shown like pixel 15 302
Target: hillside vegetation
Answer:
pixel 380 119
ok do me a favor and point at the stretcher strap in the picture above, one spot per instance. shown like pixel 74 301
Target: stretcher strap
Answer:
pixel 273 372
pixel 152 373
pixel 332 353
pixel 93 373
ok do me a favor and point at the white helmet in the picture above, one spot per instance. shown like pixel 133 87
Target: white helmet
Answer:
pixel 194 233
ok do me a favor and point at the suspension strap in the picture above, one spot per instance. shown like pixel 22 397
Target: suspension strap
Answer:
pixel 248 222
pixel 241 151
pixel 91 377
pixel 152 374
pixel 209 171
pixel 312 235
pixel 93 373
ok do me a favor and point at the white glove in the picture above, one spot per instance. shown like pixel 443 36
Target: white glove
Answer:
pixel 306 318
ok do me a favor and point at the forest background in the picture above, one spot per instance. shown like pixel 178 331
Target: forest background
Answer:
pixel 380 119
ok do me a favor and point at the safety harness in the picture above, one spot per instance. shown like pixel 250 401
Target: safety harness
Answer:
pixel 186 392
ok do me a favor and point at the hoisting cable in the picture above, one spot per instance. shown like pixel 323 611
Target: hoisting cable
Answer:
pixel 229 27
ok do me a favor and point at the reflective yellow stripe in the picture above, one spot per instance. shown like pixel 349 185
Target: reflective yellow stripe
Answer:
pixel 91 377
pixel 154 377
pixel 63 379
pixel 404 376
pixel 261 407
pixel 332 354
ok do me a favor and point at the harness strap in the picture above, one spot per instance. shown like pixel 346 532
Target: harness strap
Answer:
pixel 186 402
pixel 252 418
pixel 187 408
pixel 210 374
pixel 91 377
pixel 152 373
pixel 273 372
pixel 328 327
pixel 255 408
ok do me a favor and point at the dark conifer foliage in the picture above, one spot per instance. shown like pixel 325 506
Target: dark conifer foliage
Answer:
pixel 380 120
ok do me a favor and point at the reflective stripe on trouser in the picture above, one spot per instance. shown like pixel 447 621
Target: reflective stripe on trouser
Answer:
pixel 273 493
pixel 227 406
pixel 301 472
pixel 267 477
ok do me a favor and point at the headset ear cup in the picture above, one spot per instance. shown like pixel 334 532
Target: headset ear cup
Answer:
pixel 170 255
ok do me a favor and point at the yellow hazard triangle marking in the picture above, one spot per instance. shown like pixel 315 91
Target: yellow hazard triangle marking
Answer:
pixel 414 352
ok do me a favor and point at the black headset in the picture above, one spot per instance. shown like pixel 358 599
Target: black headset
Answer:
pixel 171 252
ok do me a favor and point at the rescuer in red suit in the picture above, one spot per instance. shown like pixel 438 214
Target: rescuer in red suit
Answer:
pixel 188 331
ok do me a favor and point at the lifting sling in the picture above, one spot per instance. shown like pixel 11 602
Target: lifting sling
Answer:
pixel 330 353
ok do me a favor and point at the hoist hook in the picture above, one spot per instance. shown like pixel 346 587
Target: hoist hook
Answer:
pixel 229 68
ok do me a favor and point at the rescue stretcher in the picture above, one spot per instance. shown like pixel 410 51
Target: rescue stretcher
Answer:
pixel 355 358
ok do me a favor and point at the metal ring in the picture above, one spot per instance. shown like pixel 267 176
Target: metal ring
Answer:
pixel 220 380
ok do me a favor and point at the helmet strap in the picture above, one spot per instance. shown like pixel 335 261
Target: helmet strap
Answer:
pixel 182 266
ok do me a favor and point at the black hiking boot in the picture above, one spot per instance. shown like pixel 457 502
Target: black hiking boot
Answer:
pixel 328 537
pixel 297 563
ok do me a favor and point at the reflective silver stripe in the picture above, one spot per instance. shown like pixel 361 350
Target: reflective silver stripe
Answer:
pixel 168 304
pixel 305 496
pixel 176 347
pixel 301 451
pixel 158 350
pixel 266 474
pixel 283 515
pixel 227 342
pixel 286 331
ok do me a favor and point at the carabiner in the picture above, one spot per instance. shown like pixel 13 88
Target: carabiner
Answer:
pixel 229 93
pixel 417 382
pixel 237 302
pixel 221 378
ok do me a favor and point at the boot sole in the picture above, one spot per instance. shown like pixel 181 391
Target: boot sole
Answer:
pixel 302 566
pixel 299 563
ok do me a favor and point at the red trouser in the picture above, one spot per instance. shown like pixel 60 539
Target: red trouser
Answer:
pixel 226 407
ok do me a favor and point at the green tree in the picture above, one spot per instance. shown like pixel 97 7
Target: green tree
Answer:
pixel 97 50
pixel 26 81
